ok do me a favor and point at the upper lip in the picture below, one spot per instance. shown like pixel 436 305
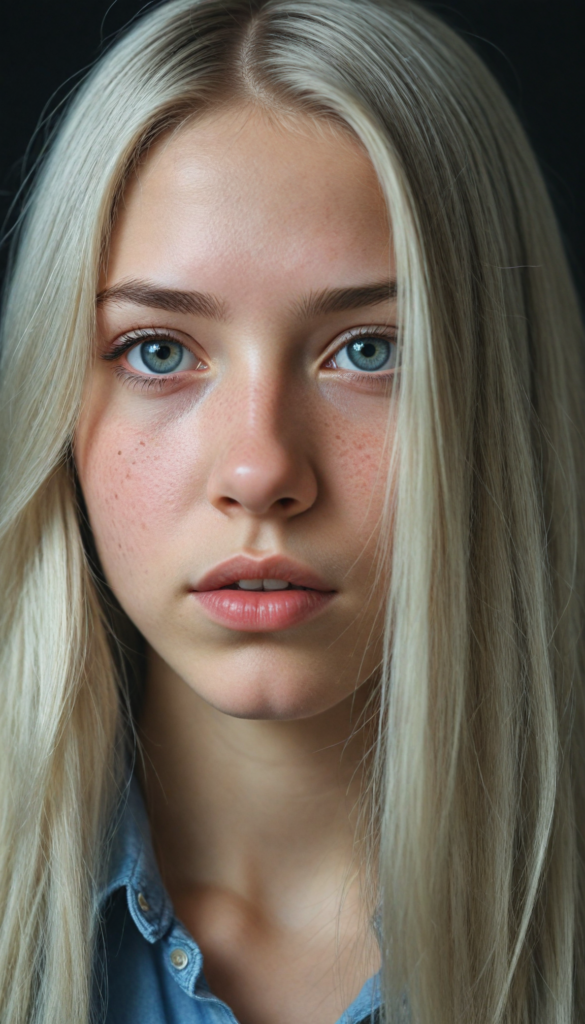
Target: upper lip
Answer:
pixel 275 567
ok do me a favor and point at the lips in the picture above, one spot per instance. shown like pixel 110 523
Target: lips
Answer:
pixel 275 567
pixel 261 611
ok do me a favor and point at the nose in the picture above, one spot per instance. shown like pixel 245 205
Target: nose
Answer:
pixel 262 464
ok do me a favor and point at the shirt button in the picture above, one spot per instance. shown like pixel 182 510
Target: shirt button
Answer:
pixel 179 959
pixel 143 903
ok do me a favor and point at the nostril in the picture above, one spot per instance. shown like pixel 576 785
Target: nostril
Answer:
pixel 286 502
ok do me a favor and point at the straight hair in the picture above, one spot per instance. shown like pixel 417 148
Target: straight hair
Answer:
pixel 478 789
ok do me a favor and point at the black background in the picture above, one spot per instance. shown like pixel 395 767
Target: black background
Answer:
pixel 536 48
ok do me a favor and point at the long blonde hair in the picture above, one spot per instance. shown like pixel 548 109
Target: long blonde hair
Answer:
pixel 480 767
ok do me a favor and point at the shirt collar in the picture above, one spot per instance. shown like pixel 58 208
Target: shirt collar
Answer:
pixel 132 865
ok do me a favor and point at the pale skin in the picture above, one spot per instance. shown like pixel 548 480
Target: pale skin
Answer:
pixel 266 442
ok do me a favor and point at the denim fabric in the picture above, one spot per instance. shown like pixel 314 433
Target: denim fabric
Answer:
pixel 150 970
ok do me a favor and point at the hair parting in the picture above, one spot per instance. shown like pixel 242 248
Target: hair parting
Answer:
pixel 478 789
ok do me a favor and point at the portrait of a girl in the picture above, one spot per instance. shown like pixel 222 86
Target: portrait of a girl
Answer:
pixel 291 552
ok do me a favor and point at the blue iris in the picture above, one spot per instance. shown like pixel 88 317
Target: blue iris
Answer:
pixel 161 356
pixel 369 353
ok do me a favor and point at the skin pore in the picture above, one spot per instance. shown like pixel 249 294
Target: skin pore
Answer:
pixel 268 440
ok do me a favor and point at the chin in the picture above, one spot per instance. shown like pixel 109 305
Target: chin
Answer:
pixel 259 682
pixel 267 700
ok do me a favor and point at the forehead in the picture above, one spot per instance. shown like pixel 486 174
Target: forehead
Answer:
pixel 240 187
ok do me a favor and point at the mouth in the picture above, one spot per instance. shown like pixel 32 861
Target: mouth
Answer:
pixel 254 595
pixel 271 574
pixel 271 586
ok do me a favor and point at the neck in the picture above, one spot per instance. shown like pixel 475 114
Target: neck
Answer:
pixel 230 799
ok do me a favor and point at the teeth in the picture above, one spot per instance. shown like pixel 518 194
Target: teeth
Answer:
pixel 275 584
pixel 263 584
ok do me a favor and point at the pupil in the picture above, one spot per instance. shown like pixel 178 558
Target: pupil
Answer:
pixel 369 353
pixel 162 356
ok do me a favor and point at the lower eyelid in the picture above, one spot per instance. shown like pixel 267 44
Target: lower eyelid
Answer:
pixel 141 380
pixel 373 383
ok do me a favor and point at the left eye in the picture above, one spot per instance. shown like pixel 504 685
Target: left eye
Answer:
pixel 367 352
pixel 161 356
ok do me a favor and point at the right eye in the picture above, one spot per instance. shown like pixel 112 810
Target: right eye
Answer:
pixel 161 356
pixel 368 353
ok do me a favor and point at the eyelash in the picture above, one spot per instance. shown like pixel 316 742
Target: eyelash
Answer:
pixel 388 334
pixel 136 338
pixel 136 380
pixel 145 383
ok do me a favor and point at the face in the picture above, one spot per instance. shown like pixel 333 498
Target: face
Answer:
pixel 231 446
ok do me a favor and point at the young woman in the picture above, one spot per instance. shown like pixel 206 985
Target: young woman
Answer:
pixel 291 552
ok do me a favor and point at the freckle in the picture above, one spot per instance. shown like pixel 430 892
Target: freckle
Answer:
pixel 116 496
pixel 119 453
pixel 120 546
pixel 133 462
pixel 127 477
pixel 143 443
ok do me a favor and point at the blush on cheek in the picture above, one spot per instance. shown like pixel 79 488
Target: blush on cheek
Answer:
pixel 361 459
pixel 136 486
pixel 358 467
pixel 357 426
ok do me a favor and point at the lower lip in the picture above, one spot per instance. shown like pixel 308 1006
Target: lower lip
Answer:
pixel 262 611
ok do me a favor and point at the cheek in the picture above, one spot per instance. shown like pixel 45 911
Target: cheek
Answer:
pixel 359 468
pixel 357 459
pixel 137 482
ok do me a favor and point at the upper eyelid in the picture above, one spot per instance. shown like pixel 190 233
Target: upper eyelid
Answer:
pixel 389 331
pixel 382 330
pixel 124 343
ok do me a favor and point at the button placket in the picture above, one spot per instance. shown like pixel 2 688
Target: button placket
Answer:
pixel 183 958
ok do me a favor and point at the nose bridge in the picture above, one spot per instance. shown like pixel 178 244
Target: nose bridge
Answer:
pixel 262 464
pixel 261 398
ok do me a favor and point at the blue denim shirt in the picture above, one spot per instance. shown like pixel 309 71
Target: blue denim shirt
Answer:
pixel 150 969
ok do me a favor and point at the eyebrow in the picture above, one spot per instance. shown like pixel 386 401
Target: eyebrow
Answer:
pixel 337 300
pixel 174 300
